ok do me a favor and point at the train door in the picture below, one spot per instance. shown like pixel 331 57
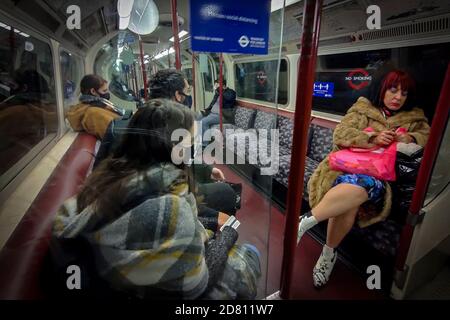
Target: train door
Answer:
pixel 423 269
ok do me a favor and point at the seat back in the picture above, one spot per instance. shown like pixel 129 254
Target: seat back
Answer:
pixel 244 118
pixel 22 258
pixel 321 142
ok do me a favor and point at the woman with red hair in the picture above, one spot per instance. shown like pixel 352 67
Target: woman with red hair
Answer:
pixel 336 196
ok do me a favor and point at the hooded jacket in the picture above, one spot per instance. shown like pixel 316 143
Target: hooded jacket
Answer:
pixel 349 133
pixel 93 115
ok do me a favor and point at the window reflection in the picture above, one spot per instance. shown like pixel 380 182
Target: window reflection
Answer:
pixel 27 99
pixel 71 73
pixel 256 80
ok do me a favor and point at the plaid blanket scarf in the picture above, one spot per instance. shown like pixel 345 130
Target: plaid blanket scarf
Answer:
pixel 158 246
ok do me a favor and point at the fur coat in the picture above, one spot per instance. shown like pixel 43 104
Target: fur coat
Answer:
pixel 349 133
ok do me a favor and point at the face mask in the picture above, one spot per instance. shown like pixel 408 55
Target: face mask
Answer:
pixel 106 96
pixel 187 101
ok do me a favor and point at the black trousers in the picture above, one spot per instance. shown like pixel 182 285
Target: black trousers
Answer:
pixel 217 197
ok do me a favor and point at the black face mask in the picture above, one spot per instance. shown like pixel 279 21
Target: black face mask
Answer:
pixel 187 101
pixel 106 96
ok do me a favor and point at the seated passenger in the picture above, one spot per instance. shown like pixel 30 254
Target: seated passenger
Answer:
pixel 211 115
pixel 337 196
pixel 139 218
pixel 165 84
pixel 172 84
pixel 95 112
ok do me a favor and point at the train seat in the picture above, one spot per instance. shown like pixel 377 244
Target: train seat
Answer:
pixel 320 143
pixel 22 258
pixel 243 119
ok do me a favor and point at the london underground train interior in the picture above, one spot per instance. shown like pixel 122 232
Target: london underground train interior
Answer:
pixel 198 149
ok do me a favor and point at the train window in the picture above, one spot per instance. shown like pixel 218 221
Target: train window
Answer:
pixel 348 76
pixel 28 111
pixel 255 80
pixel 71 73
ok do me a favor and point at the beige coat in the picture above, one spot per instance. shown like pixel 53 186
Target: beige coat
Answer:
pixel 349 133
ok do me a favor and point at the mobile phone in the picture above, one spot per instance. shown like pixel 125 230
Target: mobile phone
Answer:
pixel 232 222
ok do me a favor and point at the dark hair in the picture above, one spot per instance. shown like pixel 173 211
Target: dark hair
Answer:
pixel 393 79
pixel 146 142
pixel 223 81
pixel 165 83
pixel 91 81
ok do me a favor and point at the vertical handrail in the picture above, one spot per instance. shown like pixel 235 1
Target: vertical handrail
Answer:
pixel 431 151
pixel 144 74
pixel 305 80
pixel 194 102
pixel 220 90
pixel 176 39
pixel 135 79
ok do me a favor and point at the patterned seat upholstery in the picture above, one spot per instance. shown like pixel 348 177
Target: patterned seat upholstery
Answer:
pixel 283 173
pixel 244 118
pixel 265 121
pixel 321 142
pixel 285 128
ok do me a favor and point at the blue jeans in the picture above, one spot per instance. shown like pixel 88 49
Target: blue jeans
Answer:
pixel 207 122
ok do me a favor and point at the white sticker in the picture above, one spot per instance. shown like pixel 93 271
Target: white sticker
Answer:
pixel 29 46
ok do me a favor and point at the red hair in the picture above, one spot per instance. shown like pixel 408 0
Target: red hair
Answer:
pixel 395 78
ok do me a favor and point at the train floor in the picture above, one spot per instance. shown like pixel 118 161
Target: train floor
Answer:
pixel 262 224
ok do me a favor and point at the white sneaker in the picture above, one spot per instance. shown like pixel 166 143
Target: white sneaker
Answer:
pixel 307 221
pixel 301 229
pixel 323 269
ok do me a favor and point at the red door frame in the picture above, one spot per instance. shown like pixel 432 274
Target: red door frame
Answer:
pixel 305 80
pixel 431 151
pixel 176 42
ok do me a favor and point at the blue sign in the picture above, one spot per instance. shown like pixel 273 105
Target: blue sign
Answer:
pixel 323 89
pixel 230 26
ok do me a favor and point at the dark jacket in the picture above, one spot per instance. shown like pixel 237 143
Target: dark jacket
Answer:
pixel 228 107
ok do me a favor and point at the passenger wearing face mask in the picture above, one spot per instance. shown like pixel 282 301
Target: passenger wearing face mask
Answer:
pixel 218 200
pixel 95 112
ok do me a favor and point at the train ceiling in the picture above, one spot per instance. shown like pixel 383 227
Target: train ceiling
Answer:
pixel 100 18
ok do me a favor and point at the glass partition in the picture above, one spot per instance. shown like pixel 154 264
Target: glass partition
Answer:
pixel 72 71
pixel 249 145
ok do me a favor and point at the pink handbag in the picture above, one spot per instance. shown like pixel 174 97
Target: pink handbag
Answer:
pixel 377 162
